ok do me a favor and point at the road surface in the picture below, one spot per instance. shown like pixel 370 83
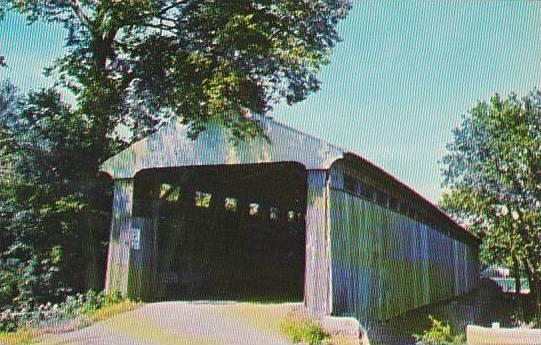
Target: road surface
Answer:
pixel 179 323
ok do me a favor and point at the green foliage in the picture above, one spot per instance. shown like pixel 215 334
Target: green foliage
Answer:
pixel 440 333
pixel 493 172
pixel 132 62
pixel 20 337
pixel 303 330
pixel 85 306
pixel 50 198
pixel 130 65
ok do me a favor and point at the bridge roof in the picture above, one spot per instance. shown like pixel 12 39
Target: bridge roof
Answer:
pixel 171 147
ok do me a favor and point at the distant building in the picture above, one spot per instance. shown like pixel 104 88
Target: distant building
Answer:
pixel 495 272
pixel 502 276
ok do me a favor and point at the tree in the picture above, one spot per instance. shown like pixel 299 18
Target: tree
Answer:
pixel 2 58
pixel 43 201
pixel 493 172
pixel 133 63
pixel 202 60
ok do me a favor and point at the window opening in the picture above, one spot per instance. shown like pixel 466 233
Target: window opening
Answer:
pixel 290 216
pixel 350 184
pixel 169 193
pixel 274 214
pixel 231 204
pixel 253 209
pixel 202 199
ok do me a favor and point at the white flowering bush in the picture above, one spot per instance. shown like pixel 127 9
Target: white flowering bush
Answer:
pixel 8 321
pixel 53 315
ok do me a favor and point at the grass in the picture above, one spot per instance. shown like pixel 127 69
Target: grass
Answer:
pixel 301 329
pixel 440 333
pixel 26 336
pixel 21 336
pixel 110 310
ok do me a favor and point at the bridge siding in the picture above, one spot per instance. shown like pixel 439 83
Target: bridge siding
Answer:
pixel 362 258
pixel 385 263
pixel 119 241
pixel 317 283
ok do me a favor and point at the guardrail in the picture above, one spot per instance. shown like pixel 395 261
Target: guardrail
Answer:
pixel 477 335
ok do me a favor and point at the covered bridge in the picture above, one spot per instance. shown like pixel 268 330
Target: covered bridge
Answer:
pixel 288 218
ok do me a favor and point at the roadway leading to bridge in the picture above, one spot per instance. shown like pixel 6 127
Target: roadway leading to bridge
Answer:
pixel 193 323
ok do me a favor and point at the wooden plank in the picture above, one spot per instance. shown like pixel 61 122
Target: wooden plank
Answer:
pixel 317 288
pixel 119 242
pixel 131 269
pixel 393 252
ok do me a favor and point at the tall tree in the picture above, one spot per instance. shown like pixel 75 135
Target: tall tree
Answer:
pixel 2 58
pixel 202 60
pixel 43 158
pixel 493 172
pixel 132 63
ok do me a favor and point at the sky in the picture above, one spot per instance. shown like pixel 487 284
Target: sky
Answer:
pixel 396 86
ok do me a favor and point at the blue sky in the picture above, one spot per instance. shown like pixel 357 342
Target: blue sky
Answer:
pixel 396 86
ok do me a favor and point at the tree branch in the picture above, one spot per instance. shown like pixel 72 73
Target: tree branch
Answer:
pixel 158 14
pixel 170 7
pixel 160 26
pixel 79 12
pixel 166 19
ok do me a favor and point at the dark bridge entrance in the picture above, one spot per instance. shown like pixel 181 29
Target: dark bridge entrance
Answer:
pixel 230 232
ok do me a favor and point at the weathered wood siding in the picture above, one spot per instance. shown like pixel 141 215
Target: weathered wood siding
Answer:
pixel 317 289
pixel 119 241
pixel 143 274
pixel 132 271
pixel 385 263
pixel 172 147
pixel 363 258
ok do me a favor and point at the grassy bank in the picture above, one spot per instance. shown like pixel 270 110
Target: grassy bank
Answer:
pixel 110 310
pixel 21 336
pixel 27 325
pixel 300 328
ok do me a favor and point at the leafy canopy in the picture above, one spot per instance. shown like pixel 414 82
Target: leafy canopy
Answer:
pixel 135 61
pixel 493 172
pixel 46 203
pixel 131 64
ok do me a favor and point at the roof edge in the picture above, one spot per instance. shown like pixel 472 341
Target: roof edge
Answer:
pixel 411 191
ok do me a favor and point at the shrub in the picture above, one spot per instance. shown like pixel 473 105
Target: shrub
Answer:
pixel 109 310
pixel 303 329
pixel 440 333
pixel 53 315
pixel 8 321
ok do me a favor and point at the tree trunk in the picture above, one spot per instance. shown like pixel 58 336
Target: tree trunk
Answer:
pixel 518 288
pixel 529 275
pixel 89 254
pixel 536 293
pixel 100 108
pixel 516 275
pixel 89 245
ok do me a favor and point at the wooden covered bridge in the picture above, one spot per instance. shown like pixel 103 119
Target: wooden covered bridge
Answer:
pixel 288 218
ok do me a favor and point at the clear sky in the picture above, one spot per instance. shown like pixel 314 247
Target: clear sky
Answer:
pixel 397 84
